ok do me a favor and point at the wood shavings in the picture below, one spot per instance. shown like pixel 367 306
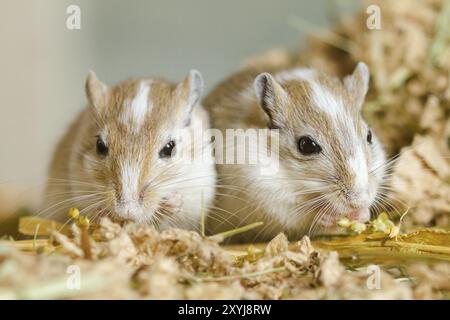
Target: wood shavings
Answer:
pixel 331 270
pixel 277 245
pixel 436 280
pixel 421 180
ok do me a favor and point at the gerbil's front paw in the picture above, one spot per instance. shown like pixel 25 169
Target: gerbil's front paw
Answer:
pixel 172 202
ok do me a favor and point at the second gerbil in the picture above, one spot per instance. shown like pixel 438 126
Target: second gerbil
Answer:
pixel 331 163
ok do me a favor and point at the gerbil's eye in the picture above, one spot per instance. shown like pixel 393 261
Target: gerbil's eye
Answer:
pixel 166 152
pixel 102 149
pixel 308 146
pixel 369 137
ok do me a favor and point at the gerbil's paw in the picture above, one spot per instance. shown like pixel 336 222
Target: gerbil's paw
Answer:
pixel 362 215
pixel 172 202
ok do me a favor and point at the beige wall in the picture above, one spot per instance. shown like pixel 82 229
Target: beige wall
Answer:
pixel 40 89
pixel 43 64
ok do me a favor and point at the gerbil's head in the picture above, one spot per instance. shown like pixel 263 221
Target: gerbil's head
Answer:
pixel 332 159
pixel 130 140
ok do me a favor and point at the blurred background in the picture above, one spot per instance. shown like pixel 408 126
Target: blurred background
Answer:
pixel 44 64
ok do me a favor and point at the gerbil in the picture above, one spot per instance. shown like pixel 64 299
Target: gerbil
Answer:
pixel 330 162
pixel 130 155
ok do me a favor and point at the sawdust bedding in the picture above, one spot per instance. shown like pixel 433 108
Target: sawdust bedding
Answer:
pixel 409 107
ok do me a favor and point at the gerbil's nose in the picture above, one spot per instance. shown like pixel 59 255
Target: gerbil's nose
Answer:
pixel 127 208
pixel 126 198
pixel 357 199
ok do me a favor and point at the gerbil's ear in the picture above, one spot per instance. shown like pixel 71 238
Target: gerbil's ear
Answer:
pixel 191 88
pixel 271 97
pixel 96 90
pixel 358 83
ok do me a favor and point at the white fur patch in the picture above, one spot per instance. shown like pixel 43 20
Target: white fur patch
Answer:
pixel 326 101
pixel 322 97
pixel 136 109
pixel 358 167
pixel 130 179
pixel 140 106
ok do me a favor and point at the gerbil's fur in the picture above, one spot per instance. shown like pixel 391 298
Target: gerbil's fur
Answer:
pixel 111 160
pixel 309 192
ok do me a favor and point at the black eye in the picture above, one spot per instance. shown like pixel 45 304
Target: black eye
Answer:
pixel 102 149
pixel 369 137
pixel 308 146
pixel 166 152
